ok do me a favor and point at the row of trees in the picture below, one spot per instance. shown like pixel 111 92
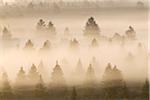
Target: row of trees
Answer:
pixel 74 4
pixel 41 26
pixel 112 86
pixel 92 31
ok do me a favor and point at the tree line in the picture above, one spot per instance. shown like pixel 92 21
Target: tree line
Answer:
pixel 31 86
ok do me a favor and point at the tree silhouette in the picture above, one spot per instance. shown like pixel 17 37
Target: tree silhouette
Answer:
pixel 51 28
pixel 130 33
pixel 90 76
pixel 74 44
pixel 91 28
pixel 79 72
pixel 145 90
pixel 6 34
pixel 40 89
pixel 57 75
pixel 46 45
pixel 21 77
pixel 29 45
pixel 33 74
pixel 6 91
pixel 74 94
pixel 114 86
pixel 94 43
pixel 41 25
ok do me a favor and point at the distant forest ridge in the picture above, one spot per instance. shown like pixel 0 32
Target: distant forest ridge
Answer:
pixel 78 2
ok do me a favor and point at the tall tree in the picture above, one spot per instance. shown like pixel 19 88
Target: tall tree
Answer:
pixel 57 75
pixel 51 28
pixel 29 45
pixel 41 25
pixel 114 86
pixel 90 75
pixel 21 77
pixel 94 43
pixel 79 73
pixel 33 74
pixel 74 94
pixel 6 33
pixel 40 89
pixel 74 44
pixel 92 29
pixel 46 45
pixel 145 90
pixel 6 87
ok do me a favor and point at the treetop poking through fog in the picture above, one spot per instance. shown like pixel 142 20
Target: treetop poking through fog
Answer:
pixel 91 28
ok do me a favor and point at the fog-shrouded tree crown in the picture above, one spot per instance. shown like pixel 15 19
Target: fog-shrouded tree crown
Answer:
pixel 33 74
pixel 21 74
pixel 57 76
pixel 92 28
pixel 6 33
pixel 90 75
pixel 29 44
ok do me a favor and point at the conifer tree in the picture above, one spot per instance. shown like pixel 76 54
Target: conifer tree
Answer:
pixel 6 87
pixel 79 72
pixel 21 77
pixel 145 90
pixel 74 44
pixel 114 86
pixel 79 67
pixel 41 25
pixel 92 29
pixel 51 28
pixel 57 75
pixel 74 94
pixel 46 45
pixel 90 75
pixel 33 74
pixel 6 34
pixel 29 45
pixel 40 89
pixel 94 43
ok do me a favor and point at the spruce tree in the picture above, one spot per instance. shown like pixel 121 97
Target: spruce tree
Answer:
pixel 90 76
pixel 51 28
pixel 29 45
pixel 40 25
pixel 74 44
pixel 40 89
pixel 92 29
pixel 114 86
pixel 79 72
pixel 94 43
pixel 21 77
pixel 74 94
pixel 46 45
pixel 6 87
pixel 57 75
pixel 6 34
pixel 145 90
pixel 33 74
